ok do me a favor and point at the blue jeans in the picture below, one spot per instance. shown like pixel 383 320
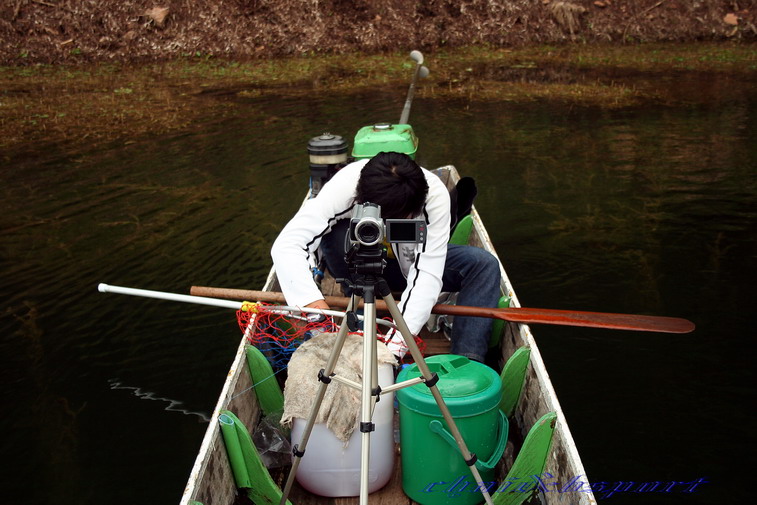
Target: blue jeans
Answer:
pixel 474 274
pixel 470 271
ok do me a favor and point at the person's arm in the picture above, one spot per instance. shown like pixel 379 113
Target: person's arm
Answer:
pixel 294 250
pixel 424 280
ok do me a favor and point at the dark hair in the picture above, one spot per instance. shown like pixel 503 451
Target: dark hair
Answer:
pixel 394 181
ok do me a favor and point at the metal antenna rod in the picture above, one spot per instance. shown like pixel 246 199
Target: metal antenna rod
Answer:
pixel 420 71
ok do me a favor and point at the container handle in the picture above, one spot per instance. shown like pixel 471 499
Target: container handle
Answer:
pixel 437 427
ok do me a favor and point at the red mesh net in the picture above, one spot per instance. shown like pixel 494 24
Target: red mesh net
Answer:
pixel 279 333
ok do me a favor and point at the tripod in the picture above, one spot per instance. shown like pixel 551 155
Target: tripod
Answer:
pixel 367 283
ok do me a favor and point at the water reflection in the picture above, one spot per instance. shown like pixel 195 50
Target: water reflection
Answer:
pixel 643 210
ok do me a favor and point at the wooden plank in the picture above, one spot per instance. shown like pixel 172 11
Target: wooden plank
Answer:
pixel 436 343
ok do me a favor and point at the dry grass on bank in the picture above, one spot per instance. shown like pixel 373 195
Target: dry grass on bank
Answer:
pixel 70 31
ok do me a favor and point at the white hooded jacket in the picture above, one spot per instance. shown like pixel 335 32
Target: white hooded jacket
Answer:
pixel 295 250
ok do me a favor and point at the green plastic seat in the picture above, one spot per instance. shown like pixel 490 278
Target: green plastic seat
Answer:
pixel 462 231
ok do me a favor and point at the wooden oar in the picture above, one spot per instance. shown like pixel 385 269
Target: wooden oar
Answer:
pixel 524 315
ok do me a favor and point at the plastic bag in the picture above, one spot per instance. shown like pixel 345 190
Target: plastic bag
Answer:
pixel 272 442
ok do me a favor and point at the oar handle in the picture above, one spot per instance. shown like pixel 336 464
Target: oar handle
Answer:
pixel 267 296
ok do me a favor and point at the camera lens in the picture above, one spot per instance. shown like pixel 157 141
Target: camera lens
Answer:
pixel 368 233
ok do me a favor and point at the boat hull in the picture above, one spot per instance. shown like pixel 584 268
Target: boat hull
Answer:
pixel 212 482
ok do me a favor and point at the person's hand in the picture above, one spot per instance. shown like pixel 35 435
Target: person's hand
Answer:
pixel 396 345
pixel 318 304
pixel 319 323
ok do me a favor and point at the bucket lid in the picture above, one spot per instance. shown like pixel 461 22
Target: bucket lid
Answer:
pixel 468 387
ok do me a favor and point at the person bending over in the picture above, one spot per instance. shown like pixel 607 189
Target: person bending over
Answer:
pixel 404 190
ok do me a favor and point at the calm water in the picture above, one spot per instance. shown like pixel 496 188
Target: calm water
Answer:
pixel 649 209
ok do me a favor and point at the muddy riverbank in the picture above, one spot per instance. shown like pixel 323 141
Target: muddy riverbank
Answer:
pixel 67 107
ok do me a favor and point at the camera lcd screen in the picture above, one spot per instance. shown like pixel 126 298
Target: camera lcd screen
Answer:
pixel 406 231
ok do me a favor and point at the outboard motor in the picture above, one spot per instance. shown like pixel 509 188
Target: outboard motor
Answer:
pixel 328 153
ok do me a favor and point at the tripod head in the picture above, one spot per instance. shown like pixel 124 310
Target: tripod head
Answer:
pixel 366 260
pixel 365 264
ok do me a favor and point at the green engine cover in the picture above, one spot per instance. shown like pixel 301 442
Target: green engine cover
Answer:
pixel 384 137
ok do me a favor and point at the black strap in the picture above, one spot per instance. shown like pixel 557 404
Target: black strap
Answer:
pixel 296 451
pixel 367 427
pixel 323 377
pixel 432 381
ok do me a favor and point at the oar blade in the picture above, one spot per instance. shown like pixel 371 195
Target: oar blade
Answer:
pixel 631 322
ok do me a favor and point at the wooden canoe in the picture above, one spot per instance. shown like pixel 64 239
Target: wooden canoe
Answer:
pixel 540 442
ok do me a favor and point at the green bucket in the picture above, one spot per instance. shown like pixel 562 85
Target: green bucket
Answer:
pixel 433 470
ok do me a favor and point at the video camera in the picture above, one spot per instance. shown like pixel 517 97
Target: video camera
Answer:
pixel 368 229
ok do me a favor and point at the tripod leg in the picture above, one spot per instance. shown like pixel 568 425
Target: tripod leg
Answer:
pixel 324 376
pixel 399 321
pixel 369 389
